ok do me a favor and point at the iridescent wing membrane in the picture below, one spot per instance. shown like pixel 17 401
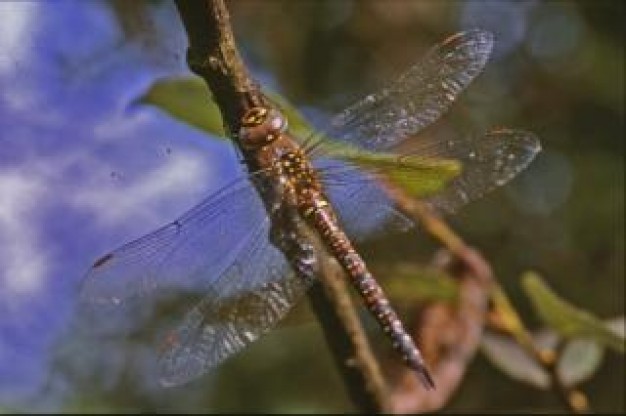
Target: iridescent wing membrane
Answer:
pixel 417 98
pixel 377 123
pixel 221 248
pixel 469 167
pixel 189 253
pixel 265 288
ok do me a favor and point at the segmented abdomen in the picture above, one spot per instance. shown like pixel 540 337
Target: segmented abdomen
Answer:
pixel 375 299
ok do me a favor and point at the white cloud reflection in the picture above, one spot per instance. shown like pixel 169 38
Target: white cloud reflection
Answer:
pixel 23 260
pixel 13 32
pixel 184 172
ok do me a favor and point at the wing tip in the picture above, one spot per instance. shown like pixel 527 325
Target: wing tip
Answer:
pixel 173 373
pixel 480 33
pixel 473 37
pixel 524 138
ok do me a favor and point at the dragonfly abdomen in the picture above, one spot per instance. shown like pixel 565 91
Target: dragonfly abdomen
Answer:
pixel 373 295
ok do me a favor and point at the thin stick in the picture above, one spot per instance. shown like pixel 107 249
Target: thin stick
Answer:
pixel 213 55
pixel 337 314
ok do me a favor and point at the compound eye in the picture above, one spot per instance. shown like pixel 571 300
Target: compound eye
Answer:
pixel 261 126
pixel 254 117
pixel 277 123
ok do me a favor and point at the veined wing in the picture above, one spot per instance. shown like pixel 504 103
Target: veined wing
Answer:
pixel 189 253
pixel 221 249
pixel 220 326
pixel 470 167
pixel 415 100
pixel 363 206
pixel 487 162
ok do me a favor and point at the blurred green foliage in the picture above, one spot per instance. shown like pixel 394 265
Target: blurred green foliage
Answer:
pixel 575 338
pixel 566 319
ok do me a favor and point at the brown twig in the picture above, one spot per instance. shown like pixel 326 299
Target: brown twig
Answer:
pixel 213 55
pixel 449 334
pixel 336 312
pixel 503 318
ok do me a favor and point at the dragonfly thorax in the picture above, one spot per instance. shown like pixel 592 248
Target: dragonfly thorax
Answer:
pixel 297 170
pixel 261 126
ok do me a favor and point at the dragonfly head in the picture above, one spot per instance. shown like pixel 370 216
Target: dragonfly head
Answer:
pixel 260 126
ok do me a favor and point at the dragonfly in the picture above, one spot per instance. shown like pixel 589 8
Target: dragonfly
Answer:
pixel 242 247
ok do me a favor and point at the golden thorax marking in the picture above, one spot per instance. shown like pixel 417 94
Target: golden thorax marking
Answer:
pixel 254 116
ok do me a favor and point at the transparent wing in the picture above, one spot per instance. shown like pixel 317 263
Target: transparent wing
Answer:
pixel 189 253
pixel 363 207
pixel 486 162
pixel 416 99
pixel 232 316
pixel 220 247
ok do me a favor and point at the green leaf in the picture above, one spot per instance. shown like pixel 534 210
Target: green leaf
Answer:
pixel 417 176
pixel 189 100
pixel 581 358
pixel 507 355
pixel 418 284
pixel 566 319
pixel 579 361
pixel 617 325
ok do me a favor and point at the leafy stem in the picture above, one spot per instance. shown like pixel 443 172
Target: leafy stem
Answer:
pixel 504 318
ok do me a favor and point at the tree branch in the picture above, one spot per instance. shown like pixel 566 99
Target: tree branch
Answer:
pixel 360 370
pixel 213 55
pixel 478 284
